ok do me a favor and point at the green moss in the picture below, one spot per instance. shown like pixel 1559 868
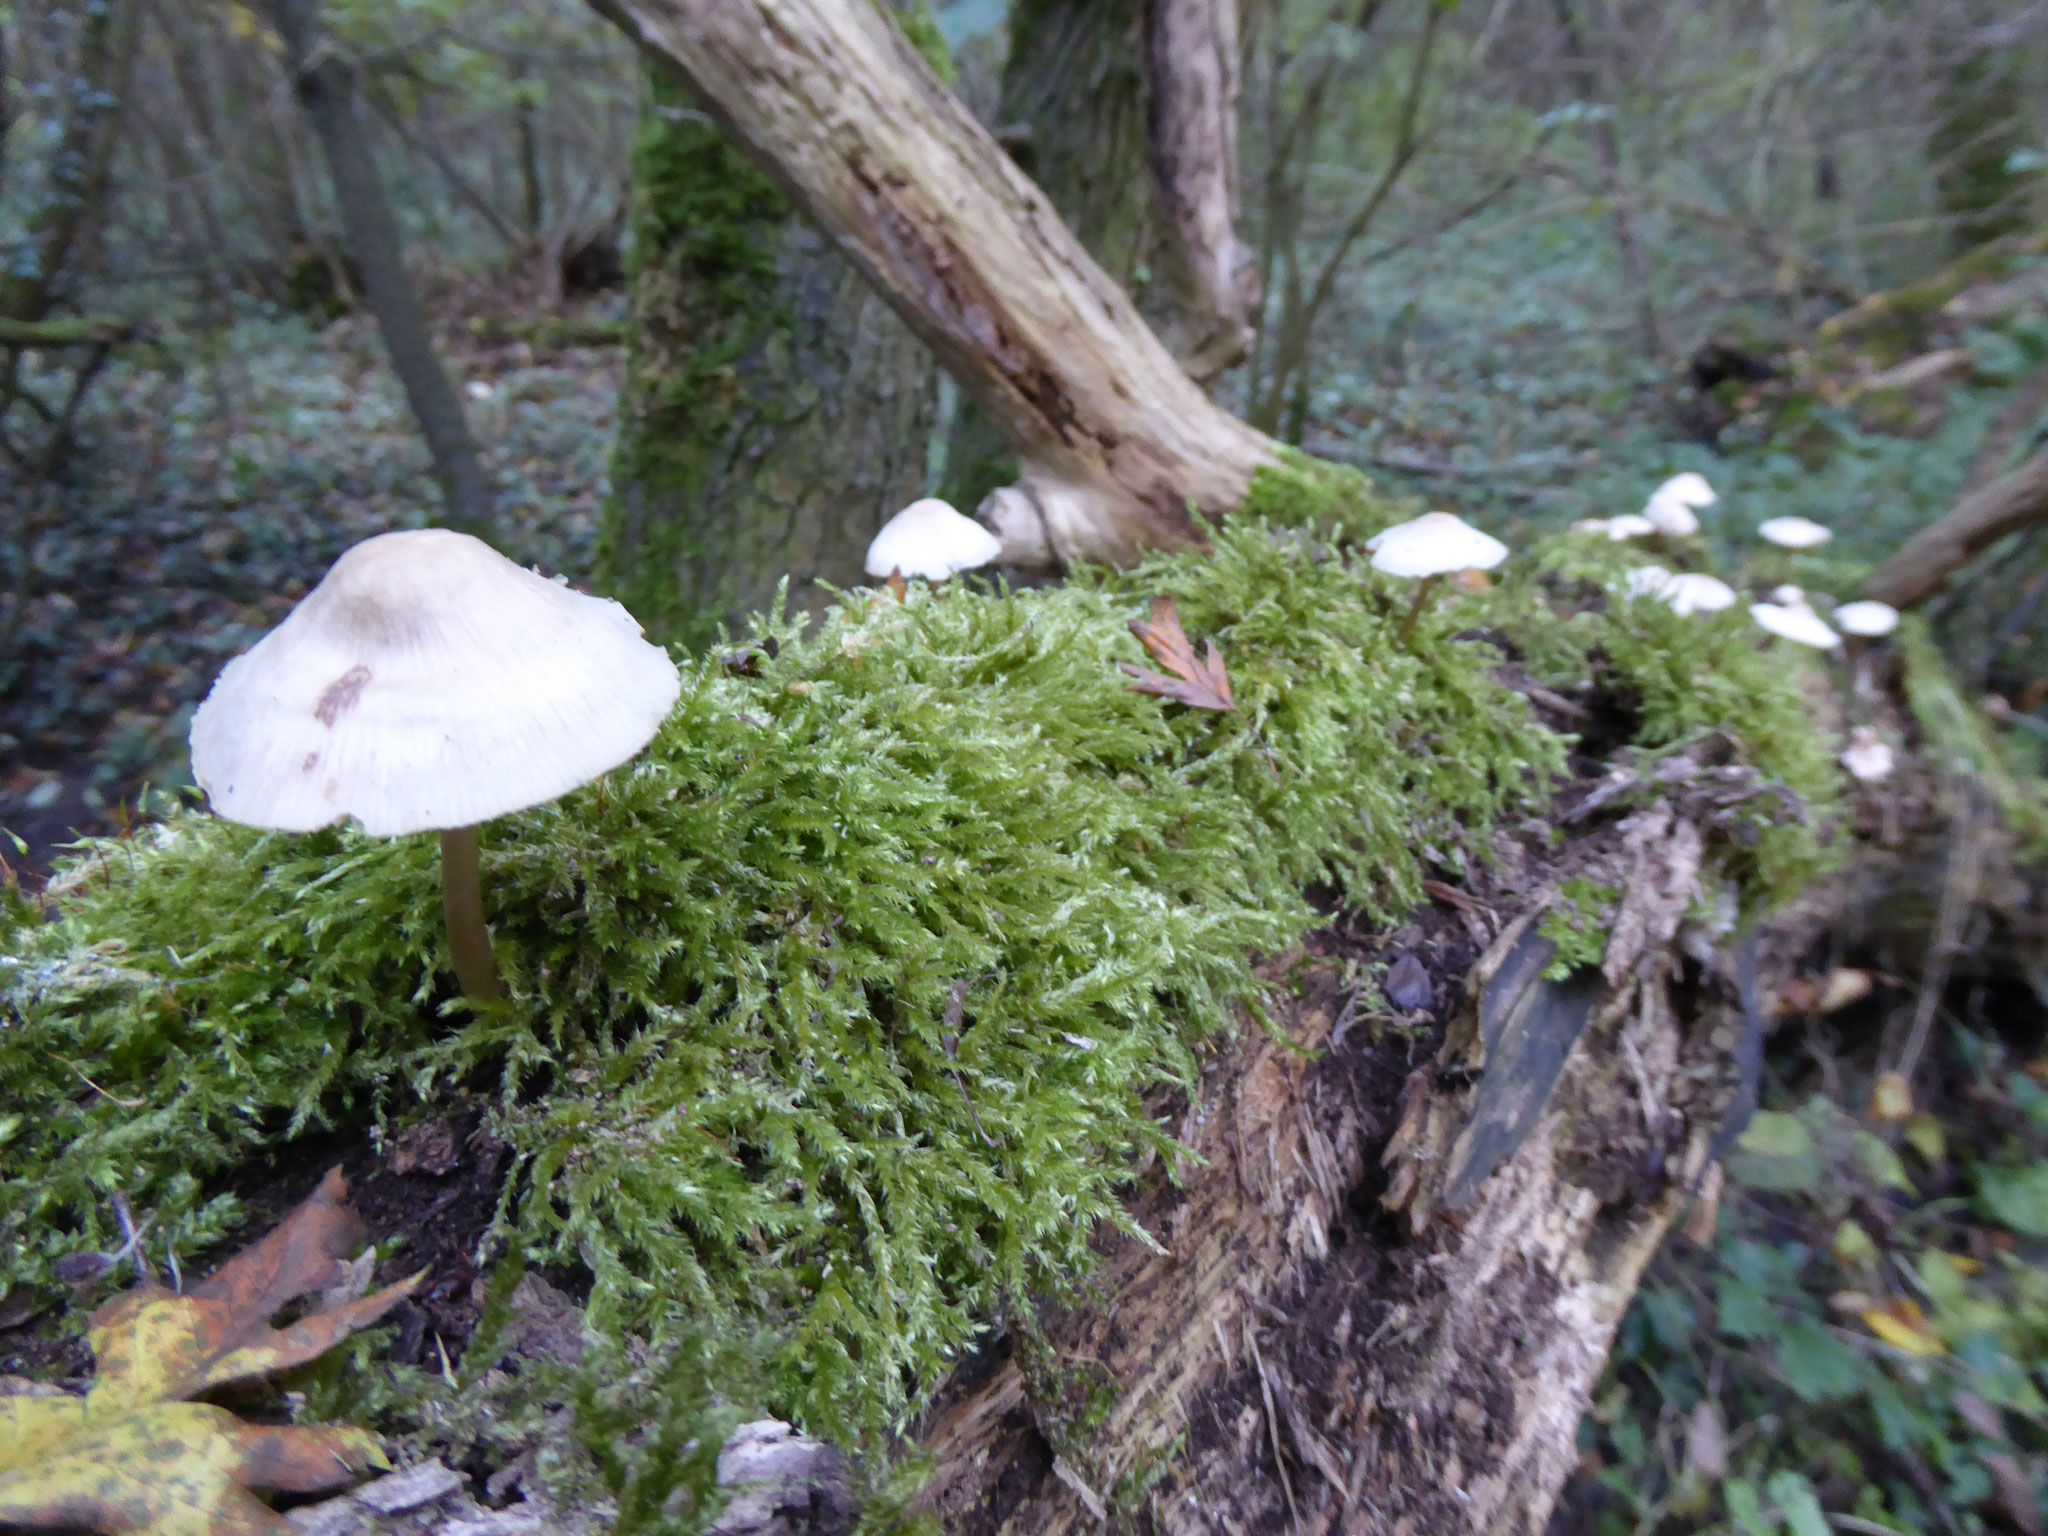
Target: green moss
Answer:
pixel 1577 924
pixel 922 28
pixel 1960 741
pixel 727 1075
pixel 1685 677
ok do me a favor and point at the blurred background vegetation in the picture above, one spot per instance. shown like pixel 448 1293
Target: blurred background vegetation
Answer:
pixel 1524 258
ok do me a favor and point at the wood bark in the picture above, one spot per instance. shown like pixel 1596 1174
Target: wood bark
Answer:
pixel 1071 113
pixel 1366 1306
pixel 326 86
pixel 1191 65
pixel 1115 441
pixel 1979 520
pixel 776 412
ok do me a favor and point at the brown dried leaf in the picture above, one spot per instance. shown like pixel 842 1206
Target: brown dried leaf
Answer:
pixel 154 1346
pixel 1199 683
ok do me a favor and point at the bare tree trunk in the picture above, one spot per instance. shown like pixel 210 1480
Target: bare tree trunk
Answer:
pixel 80 163
pixel 327 90
pixel 1115 440
pixel 1978 521
pixel 1191 65
pixel 1628 244
pixel 776 411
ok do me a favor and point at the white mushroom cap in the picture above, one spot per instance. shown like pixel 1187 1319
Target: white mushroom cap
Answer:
pixel 1867 618
pixel 1694 593
pixel 1788 594
pixel 1630 525
pixel 929 539
pixel 1795 621
pixel 1646 581
pixel 1794 533
pixel 1673 518
pixel 1867 758
pixel 1432 544
pixel 1669 509
pixel 1687 489
pixel 427 682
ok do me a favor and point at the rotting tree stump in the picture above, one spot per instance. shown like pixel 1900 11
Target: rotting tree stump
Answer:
pixel 1315 1340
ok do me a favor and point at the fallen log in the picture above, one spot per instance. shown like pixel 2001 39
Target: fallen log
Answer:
pixel 1983 517
pixel 1380 1293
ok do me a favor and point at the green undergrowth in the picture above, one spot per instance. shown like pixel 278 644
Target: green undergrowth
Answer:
pixel 1865 1345
pixel 833 1012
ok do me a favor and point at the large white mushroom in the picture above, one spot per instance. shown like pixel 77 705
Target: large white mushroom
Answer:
pixel 429 684
pixel 1429 548
pixel 929 539
pixel 1866 619
pixel 1795 622
pixel 1670 507
pixel 1793 533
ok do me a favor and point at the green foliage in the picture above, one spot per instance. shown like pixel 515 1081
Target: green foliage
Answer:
pixel 1885 1340
pixel 1577 924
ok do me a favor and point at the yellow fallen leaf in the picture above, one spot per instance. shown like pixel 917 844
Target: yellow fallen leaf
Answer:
pixel 130 1456
pixel 1902 1325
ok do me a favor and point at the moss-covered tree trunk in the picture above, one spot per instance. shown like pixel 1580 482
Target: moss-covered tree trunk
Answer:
pixel 776 412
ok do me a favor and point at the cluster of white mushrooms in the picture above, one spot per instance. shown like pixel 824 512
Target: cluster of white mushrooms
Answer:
pixel 1788 614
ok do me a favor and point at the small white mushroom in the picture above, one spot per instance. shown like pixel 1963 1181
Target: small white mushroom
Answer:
pixel 429 684
pixel 1670 507
pixel 1430 547
pixel 1788 594
pixel 1794 533
pixel 1867 758
pixel 1630 525
pixel 1867 618
pixel 1695 593
pixel 1646 581
pixel 929 539
pixel 1796 622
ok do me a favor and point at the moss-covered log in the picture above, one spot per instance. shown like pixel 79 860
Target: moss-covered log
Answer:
pixel 850 1015
pixel 775 411
pixel 1366 1306
pixel 1116 442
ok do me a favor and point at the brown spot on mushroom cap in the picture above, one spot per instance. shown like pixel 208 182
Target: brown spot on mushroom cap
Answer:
pixel 341 695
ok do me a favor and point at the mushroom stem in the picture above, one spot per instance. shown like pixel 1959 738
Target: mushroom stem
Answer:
pixel 462 899
pixel 1422 590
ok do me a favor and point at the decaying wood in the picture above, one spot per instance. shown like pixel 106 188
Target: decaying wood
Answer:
pixel 1191 67
pixel 1115 440
pixel 1315 1341
pixel 1978 521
